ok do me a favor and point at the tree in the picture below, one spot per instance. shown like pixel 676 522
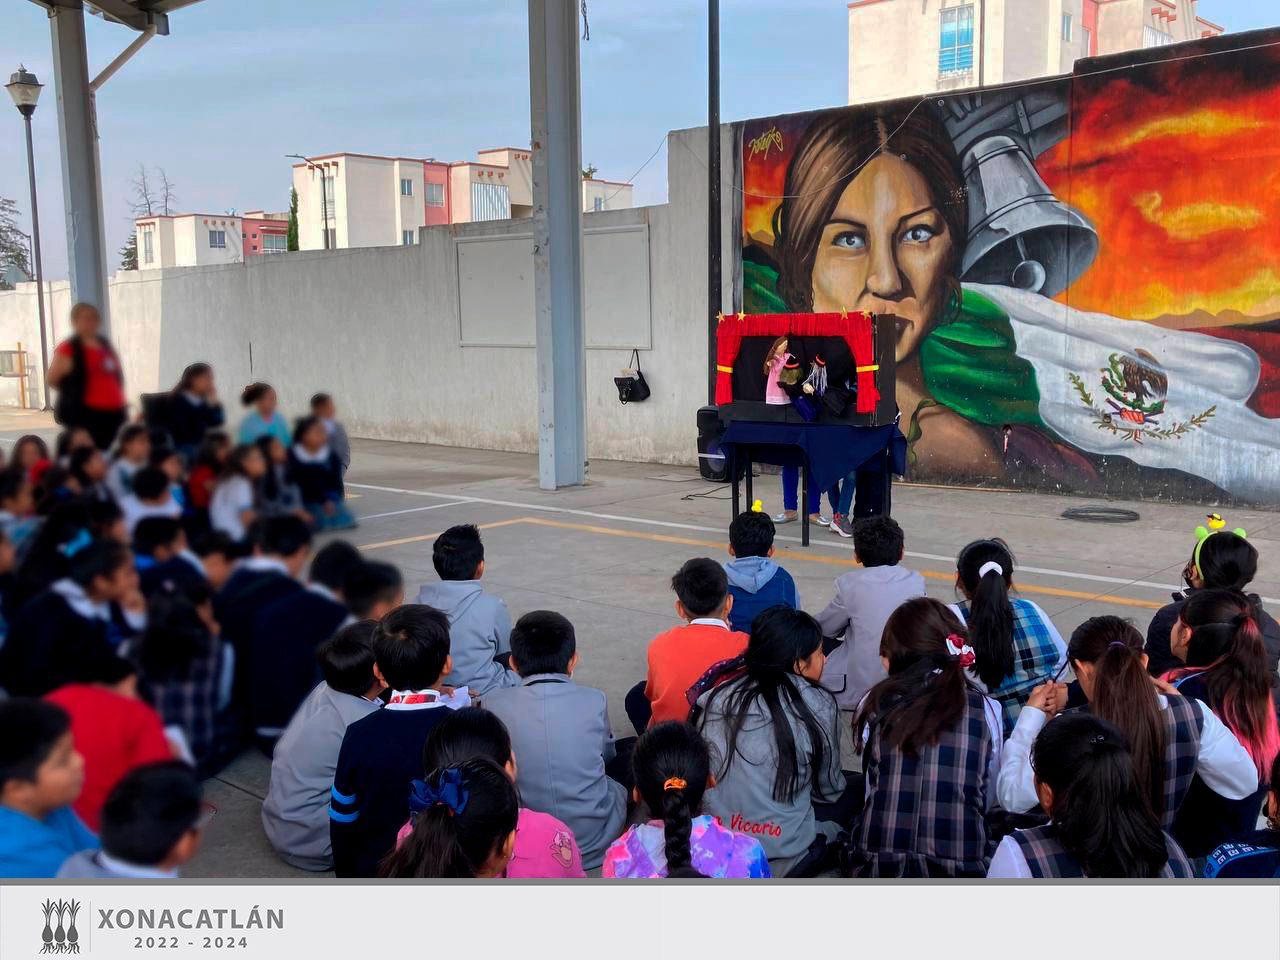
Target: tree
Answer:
pixel 13 242
pixel 168 199
pixel 291 238
pixel 152 195
pixel 129 253
pixel 589 172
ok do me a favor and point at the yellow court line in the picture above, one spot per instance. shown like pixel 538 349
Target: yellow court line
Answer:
pixel 830 561
pixel 431 536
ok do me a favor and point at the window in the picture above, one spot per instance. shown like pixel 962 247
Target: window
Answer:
pixel 1151 37
pixel 148 248
pixel 275 243
pixel 406 187
pixel 955 45
pixel 218 239
pixel 435 194
pixel 333 238
pixel 407 237
pixel 330 196
pixel 490 201
pixel 598 204
pixel 1086 41
pixel 1066 28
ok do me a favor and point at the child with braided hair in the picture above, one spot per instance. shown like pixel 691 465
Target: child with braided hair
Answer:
pixel 672 772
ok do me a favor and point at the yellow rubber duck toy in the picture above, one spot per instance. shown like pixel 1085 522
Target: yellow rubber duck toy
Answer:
pixel 1215 521
pixel 757 506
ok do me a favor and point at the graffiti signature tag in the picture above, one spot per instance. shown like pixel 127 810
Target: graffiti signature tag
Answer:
pixel 767 140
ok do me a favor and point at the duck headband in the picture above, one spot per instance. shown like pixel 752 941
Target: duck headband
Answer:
pixel 1214 525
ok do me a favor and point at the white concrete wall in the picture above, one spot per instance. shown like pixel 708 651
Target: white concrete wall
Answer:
pixel 380 329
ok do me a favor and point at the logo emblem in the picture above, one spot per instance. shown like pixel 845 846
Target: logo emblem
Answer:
pixel 1137 392
pixel 60 934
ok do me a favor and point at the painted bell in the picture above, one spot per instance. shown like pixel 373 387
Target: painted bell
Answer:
pixel 1020 234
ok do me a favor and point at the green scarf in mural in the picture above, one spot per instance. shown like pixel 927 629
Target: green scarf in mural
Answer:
pixel 969 360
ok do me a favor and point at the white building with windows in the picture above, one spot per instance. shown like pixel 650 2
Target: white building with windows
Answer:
pixel 197 239
pixel 900 48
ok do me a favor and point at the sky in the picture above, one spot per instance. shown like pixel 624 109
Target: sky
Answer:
pixel 238 84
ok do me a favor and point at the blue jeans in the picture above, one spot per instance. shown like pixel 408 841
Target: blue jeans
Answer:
pixel 791 492
pixel 846 488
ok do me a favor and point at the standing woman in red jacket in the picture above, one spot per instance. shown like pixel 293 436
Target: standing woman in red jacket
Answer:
pixel 87 375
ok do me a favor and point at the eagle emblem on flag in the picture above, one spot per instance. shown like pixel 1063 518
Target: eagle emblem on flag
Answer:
pixel 1136 389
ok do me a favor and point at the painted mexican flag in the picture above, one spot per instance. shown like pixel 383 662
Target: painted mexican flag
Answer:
pixel 1162 398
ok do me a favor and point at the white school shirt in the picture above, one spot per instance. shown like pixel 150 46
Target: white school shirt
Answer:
pixel 231 498
pixel 1222 763
pixel 135 511
pixel 1008 862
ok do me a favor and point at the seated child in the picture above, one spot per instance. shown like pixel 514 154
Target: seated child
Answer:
pixel 265 417
pixel 68 633
pixel 170 462
pixel 323 407
pixel 193 409
pixel 672 772
pixel 295 814
pixel 561 730
pixel 217 554
pixel 466 826
pixel 545 847
pixel 233 505
pixel 381 754
pixel 479 625
pixel 1258 854
pixel 864 599
pixel 1100 824
pixel 18 510
pixel 133 450
pixel 114 731
pixel 152 497
pixel 88 467
pixel 162 556
pixel 30 455
pixel 755 581
pixel 679 657
pixel 152 824
pixel 278 494
pixel 210 458
pixel 40 777
pixel 774 736
pixel 931 743
pixel 317 471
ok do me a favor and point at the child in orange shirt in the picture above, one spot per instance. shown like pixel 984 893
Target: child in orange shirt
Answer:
pixel 679 657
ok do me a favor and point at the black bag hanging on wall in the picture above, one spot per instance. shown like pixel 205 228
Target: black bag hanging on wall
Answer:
pixel 632 386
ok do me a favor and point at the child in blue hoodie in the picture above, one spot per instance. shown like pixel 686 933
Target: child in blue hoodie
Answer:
pixel 41 775
pixel 755 581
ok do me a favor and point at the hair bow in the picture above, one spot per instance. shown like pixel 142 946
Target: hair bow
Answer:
pixel 445 789
pixel 958 647
pixel 81 541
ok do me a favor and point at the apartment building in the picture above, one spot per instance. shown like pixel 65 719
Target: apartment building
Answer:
pixel 900 48
pixel 363 200
pixel 197 239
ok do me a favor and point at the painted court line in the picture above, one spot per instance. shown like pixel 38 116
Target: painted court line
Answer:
pixel 383 544
pixel 397 513
pixel 816 541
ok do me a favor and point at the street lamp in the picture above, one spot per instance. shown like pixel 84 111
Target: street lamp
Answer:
pixel 324 194
pixel 25 90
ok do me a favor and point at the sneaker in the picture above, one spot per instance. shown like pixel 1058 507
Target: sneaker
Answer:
pixel 819 519
pixel 785 517
pixel 842 526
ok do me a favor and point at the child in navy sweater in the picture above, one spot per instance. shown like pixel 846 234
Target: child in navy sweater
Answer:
pixel 755 581
pixel 381 754
pixel 317 472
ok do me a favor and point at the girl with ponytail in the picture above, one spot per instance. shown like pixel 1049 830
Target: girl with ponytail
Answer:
pixel 1100 823
pixel 1172 737
pixel 672 772
pixel 1016 643
pixel 1218 639
pixel 774 735
pixel 466 828
pixel 931 746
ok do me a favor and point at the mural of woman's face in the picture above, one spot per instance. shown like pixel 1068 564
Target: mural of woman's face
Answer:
pixel 886 249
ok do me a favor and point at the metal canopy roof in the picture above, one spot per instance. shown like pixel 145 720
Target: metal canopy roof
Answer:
pixel 138 14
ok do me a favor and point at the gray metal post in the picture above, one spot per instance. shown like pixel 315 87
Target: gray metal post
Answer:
pixel 35 249
pixel 78 144
pixel 557 242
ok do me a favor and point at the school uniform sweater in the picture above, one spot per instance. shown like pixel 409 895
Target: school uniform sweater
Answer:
pixel 757 583
pixel 1038 853
pixel 743 797
pixel 32 848
pixel 381 756
pixel 317 475
pixel 1255 856
pixel 61 637
pixel 99 865
pixel 479 631
pixel 182 572
pixel 114 734
pixel 257 583
pixel 282 647
pixel 295 814
pixel 679 657
pixel 188 418
pixel 561 737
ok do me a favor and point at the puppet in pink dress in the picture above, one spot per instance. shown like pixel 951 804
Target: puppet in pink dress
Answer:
pixel 774 364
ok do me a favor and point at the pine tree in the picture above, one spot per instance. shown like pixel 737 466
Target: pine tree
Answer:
pixel 291 240
pixel 13 242
pixel 129 253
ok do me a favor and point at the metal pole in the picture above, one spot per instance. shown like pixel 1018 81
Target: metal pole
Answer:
pixel 713 191
pixel 35 244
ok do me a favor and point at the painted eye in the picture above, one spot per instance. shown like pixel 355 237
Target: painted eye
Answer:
pixel 919 234
pixel 848 240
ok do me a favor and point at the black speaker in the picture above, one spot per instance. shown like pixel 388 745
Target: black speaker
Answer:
pixel 711 461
